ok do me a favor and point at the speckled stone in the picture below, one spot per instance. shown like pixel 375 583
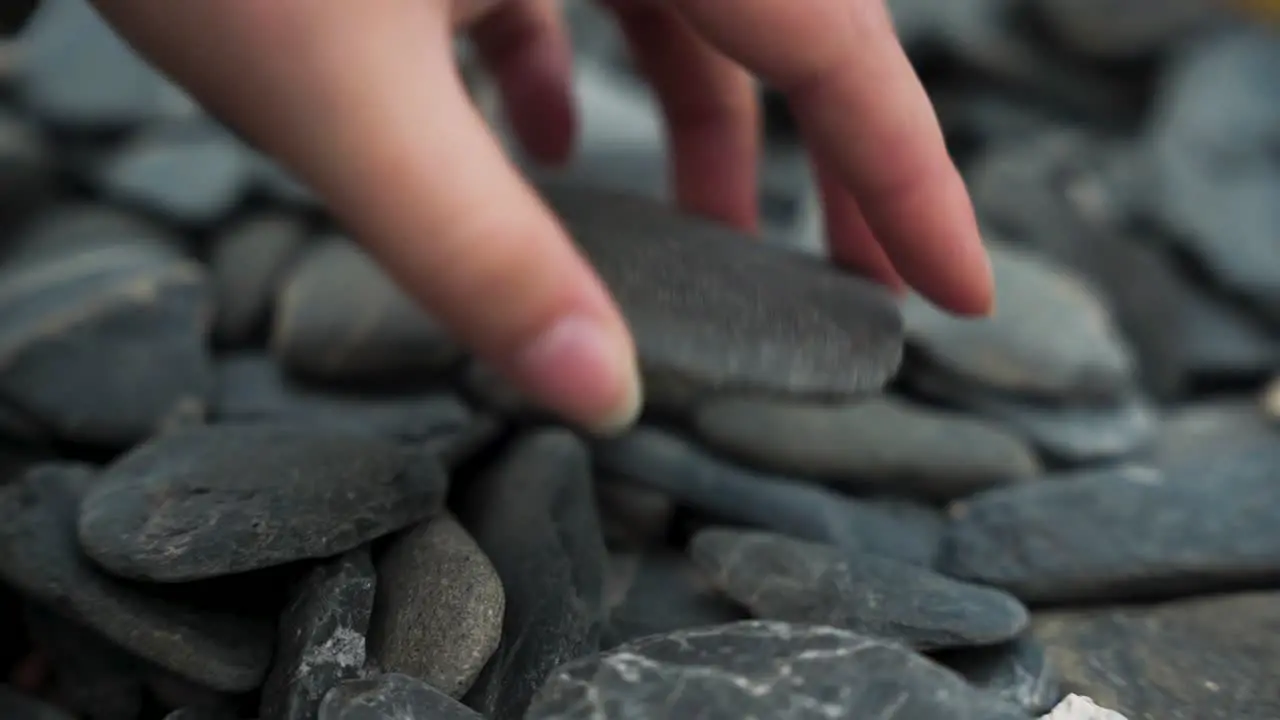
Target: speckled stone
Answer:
pixel 882 445
pixel 778 578
pixel 321 636
pixel 219 500
pixel 439 611
pixel 715 310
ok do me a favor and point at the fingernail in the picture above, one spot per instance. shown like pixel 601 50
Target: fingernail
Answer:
pixel 580 368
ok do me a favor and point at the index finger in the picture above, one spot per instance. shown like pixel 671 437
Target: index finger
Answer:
pixel 862 108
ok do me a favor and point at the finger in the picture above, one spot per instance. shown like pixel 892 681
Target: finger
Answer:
pixel 526 48
pixel 849 238
pixel 368 109
pixel 711 110
pixel 859 101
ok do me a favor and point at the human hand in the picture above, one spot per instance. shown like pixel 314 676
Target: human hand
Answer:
pixel 366 107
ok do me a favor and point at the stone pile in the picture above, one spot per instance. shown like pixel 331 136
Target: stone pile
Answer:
pixel 242 476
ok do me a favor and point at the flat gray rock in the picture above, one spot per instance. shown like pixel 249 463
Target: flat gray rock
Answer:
pixel 1209 658
pixel 533 514
pixel 1050 339
pixel 778 578
pixel 1215 122
pixel 247 262
pixel 220 500
pixel 70 226
pixel 1212 427
pixel 1126 532
pixel 761 669
pixel 192 171
pixel 880 445
pixel 321 636
pixel 440 604
pixel 715 310
pixel 106 344
pixel 371 330
pixel 658 459
pixel 39 556
pixel 392 697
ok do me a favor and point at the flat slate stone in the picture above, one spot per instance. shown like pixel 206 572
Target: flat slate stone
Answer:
pixel 1210 658
pixel 77 72
pixel 1018 672
pixel 39 556
pixel 69 226
pixel 1221 340
pixel 106 345
pixel 1050 339
pixel 1064 433
pixel 321 636
pixel 392 697
pixel 247 262
pixel 1053 192
pixel 881 445
pixel 1212 427
pixel 761 669
pixel 190 171
pixel 533 514
pixel 1127 532
pixel 219 500
pixel 438 616
pixel 1215 119
pixel 252 388
pixel 714 310
pixel 370 331
pixel 777 578
pixel 660 592
pixel 661 460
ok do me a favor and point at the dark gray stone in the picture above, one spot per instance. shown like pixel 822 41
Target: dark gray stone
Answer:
pixel 77 72
pixel 777 578
pixel 247 262
pixel 39 556
pixel 16 706
pixel 762 669
pixel 1213 131
pixel 1207 658
pixel 1212 427
pixel 253 389
pixel 219 500
pixel 1122 29
pixel 714 310
pixel 1126 532
pixel 660 592
pixel 26 168
pixel 633 517
pixel 68 227
pixel 1017 672
pixel 533 514
pixel 663 461
pixel 392 697
pixel 321 636
pixel 370 330
pixel 439 611
pixel 882 445
pixel 189 171
pixel 105 345
pixel 1051 339
pixel 1068 434
pixel 92 676
pixel 1221 341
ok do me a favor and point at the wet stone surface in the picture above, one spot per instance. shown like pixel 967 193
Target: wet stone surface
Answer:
pixel 244 475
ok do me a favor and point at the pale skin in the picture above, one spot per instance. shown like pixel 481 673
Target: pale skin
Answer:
pixel 362 101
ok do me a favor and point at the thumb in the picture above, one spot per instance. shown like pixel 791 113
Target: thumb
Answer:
pixel 366 107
